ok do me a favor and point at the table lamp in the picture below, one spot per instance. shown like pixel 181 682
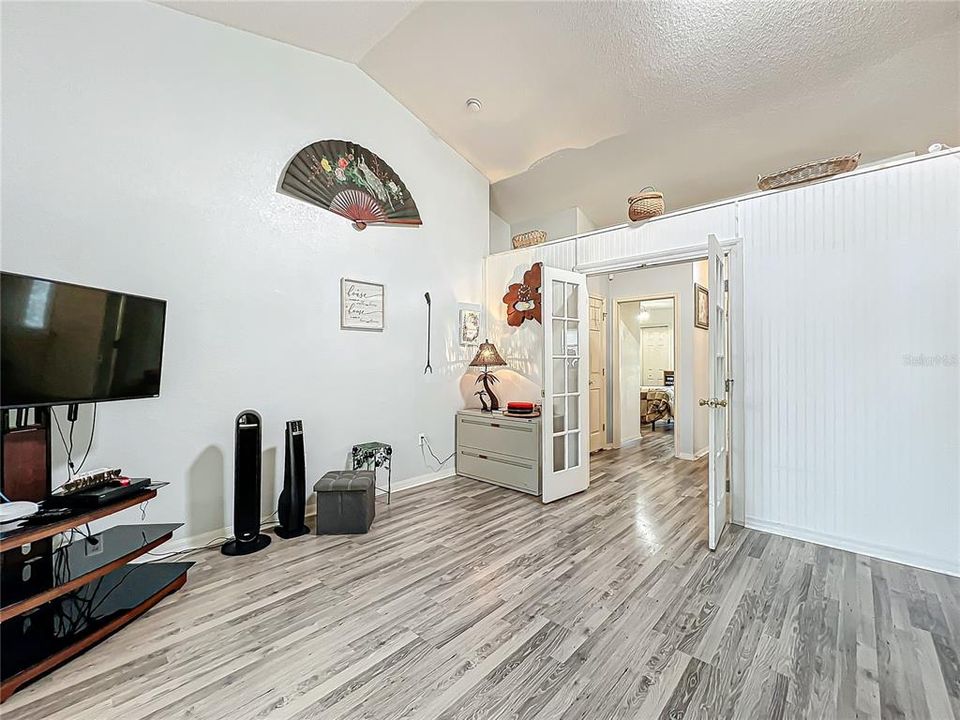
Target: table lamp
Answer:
pixel 487 356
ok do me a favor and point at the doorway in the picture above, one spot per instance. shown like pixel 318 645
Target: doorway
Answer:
pixel 643 368
pixel 598 373
pixel 692 382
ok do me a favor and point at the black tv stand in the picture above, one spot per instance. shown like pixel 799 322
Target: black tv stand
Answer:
pixel 73 598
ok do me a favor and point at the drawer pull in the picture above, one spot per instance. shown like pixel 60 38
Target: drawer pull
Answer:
pixel 494 424
pixel 482 457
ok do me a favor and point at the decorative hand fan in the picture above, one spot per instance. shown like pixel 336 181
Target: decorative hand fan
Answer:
pixel 351 181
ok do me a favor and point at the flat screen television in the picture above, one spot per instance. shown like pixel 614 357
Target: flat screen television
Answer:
pixel 62 344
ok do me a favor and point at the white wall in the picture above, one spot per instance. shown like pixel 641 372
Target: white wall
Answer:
pixel 141 152
pixel 584 224
pixel 500 238
pixel 560 224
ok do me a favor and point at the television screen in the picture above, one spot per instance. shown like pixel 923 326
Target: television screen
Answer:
pixel 63 344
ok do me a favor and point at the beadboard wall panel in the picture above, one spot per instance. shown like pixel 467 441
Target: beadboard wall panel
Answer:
pixel 672 231
pixel 851 340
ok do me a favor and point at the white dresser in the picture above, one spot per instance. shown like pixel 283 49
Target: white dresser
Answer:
pixel 500 450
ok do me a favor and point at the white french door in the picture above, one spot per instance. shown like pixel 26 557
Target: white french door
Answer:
pixel 717 342
pixel 566 365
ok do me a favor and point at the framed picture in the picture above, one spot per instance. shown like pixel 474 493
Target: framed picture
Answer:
pixel 468 324
pixel 701 306
pixel 361 305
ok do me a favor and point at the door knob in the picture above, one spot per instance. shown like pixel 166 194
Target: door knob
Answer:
pixel 713 402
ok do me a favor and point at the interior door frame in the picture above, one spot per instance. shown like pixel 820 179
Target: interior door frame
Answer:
pixel 693 253
pixel 603 349
pixel 618 439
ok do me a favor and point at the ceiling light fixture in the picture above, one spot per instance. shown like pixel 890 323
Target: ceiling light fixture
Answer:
pixel 474 105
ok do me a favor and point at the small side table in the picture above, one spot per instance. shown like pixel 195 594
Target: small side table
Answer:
pixel 373 455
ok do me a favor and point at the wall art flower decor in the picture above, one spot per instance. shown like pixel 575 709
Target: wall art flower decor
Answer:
pixel 351 181
pixel 523 299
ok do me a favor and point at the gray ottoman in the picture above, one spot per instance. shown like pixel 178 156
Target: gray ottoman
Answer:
pixel 346 502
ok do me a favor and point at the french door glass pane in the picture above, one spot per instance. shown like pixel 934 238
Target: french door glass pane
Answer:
pixel 573 449
pixel 558 453
pixel 558 337
pixel 558 424
pixel 558 373
pixel 558 297
pixel 572 299
pixel 573 413
pixel 572 338
pixel 573 376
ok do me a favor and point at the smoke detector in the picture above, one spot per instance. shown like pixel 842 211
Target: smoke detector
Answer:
pixel 474 105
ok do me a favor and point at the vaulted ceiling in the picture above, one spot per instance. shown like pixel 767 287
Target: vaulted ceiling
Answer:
pixel 585 103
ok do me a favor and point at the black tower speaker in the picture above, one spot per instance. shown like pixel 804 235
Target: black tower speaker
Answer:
pixel 291 507
pixel 246 488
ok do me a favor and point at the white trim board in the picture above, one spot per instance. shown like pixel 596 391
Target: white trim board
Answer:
pixel 203 539
pixel 881 552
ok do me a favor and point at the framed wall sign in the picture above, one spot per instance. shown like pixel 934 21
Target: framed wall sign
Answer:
pixel 468 324
pixel 701 306
pixel 361 305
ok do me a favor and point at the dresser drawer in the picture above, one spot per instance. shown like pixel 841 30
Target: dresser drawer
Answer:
pixel 512 472
pixel 519 439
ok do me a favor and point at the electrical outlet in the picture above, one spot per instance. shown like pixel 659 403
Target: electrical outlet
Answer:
pixel 92 548
pixel 421 438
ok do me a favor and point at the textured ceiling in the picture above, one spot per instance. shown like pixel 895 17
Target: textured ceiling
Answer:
pixel 585 103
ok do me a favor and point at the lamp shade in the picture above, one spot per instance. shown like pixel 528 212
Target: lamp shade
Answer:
pixel 487 355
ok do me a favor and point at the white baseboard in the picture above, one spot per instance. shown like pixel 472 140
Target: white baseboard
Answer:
pixel 700 453
pixel 419 480
pixel 881 552
pixel 208 538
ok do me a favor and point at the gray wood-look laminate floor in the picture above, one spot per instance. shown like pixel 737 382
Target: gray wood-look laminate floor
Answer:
pixel 471 601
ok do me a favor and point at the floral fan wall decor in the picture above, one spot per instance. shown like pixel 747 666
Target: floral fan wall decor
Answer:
pixel 351 181
pixel 523 299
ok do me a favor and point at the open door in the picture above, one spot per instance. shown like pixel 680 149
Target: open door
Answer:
pixel 565 421
pixel 718 486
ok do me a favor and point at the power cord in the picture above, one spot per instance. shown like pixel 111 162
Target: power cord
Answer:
pixel 66 449
pixel 439 462
pixel 93 428
pixel 68 442
pixel 160 556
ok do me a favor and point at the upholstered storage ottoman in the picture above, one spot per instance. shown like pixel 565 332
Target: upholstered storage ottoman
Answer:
pixel 346 502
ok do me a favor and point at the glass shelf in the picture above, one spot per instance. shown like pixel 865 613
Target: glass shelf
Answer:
pixel 41 639
pixel 30 580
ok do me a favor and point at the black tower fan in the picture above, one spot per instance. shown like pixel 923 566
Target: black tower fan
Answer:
pixel 246 487
pixel 292 503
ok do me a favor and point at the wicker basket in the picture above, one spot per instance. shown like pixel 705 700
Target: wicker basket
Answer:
pixel 645 205
pixel 809 171
pixel 526 239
